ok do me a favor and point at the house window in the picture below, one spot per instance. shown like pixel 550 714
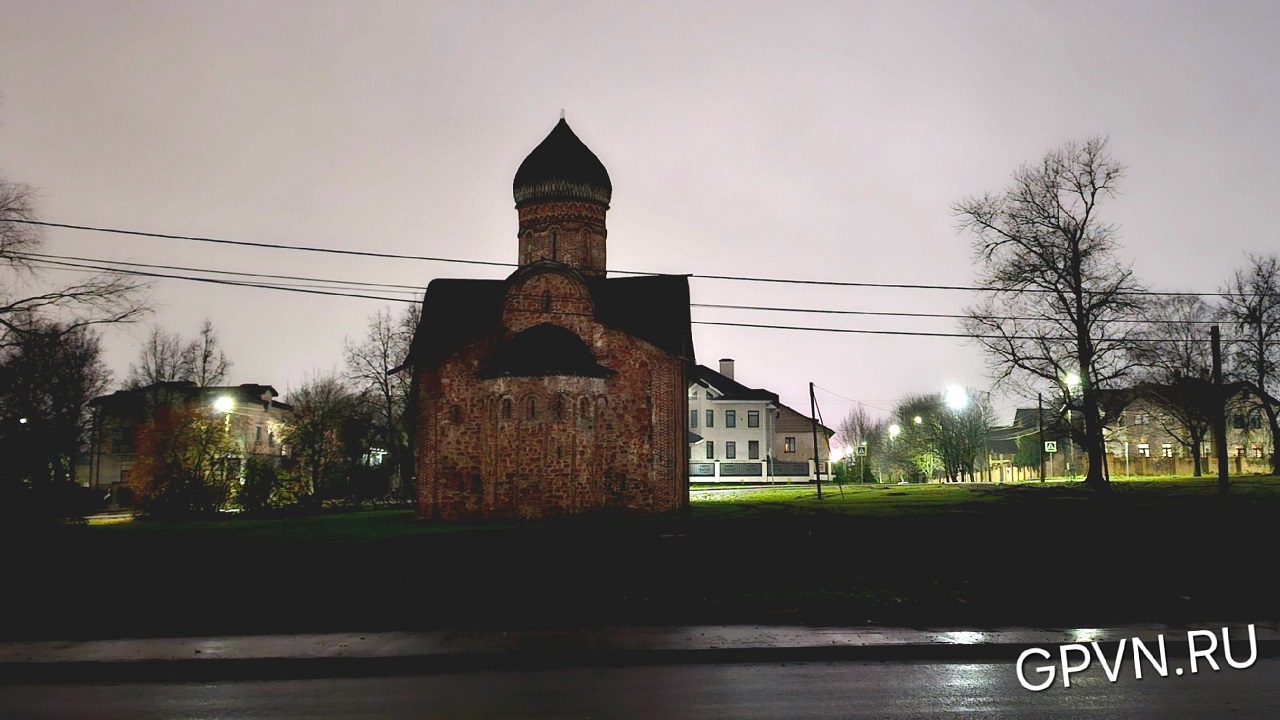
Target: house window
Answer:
pixel 788 444
pixel 711 418
pixel 693 394
pixel 1257 451
pixel 1255 422
pixel 693 419
pixel 753 418
pixel 730 418
pixel 1141 418
pixel 257 434
pixel 1166 450
pixel 753 449
pixel 1237 421
pixel 730 450
pixel 1239 451
pixel 711 450
pixel 1144 450
pixel 533 408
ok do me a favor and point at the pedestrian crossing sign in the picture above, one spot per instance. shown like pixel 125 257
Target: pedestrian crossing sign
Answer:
pixel 1050 446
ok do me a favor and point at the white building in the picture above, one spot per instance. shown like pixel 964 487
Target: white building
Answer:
pixel 742 434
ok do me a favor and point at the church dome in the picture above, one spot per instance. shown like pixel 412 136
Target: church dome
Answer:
pixel 562 168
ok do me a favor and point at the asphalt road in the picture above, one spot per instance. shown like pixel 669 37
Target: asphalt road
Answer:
pixel 791 691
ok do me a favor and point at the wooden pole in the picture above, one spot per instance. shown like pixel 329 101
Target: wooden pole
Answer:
pixel 813 415
pixel 1219 413
pixel 1040 424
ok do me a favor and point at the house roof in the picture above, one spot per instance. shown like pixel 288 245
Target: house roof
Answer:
pixel 653 308
pixel 245 392
pixel 729 388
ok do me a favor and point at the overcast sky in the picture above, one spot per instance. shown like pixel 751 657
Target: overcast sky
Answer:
pixel 801 140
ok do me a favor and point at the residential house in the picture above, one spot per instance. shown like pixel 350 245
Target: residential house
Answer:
pixel 254 420
pixel 743 434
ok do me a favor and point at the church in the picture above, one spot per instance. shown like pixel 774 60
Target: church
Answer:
pixel 557 390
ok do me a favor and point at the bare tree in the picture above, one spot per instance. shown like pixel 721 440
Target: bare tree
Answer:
pixel 322 407
pixel 103 298
pixel 209 364
pixel 164 357
pixel 167 357
pixel 1056 297
pixel 369 369
pixel 1251 311
pixel 1176 364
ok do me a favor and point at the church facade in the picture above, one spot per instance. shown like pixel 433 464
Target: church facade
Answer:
pixel 557 390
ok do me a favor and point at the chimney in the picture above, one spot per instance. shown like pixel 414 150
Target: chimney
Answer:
pixel 726 367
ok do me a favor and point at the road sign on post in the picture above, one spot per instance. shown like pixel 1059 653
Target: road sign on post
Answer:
pixel 1050 446
pixel 860 450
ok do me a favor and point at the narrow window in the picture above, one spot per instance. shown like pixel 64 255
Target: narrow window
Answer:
pixel 1144 450
pixel 1166 450
pixel 711 450
pixel 546 301
pixel 730 450
pixel 730 418
pixel 753 418
pixel 559 408
pixel 753 449
pixel 506 408
pixel 693 419
pixel 533 408
pixel 455 414
pixel 257 434
pixel 711 418
pixel 788 444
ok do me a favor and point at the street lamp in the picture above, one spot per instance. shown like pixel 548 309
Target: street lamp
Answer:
pixel 1072 381
pixel 224 404
pixel 957 398
pixel 894 430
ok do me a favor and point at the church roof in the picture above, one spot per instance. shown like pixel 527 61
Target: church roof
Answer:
pixel 653 308
pixel 544 349
pixel 562 168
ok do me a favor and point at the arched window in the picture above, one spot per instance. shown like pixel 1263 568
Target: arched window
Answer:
pixel 546 301
pixel 506 408
pixel 533 408
pixel 559 407
pixel 455 414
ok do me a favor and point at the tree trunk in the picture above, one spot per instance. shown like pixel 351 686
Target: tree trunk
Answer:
pixel 1095 446
pixel 1197 440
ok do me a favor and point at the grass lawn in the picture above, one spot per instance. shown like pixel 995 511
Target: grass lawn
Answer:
pixel 1044 554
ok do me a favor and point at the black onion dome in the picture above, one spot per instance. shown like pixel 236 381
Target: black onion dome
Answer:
pixel 562 168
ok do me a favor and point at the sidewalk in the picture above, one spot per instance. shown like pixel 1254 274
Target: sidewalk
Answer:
pixel 391 653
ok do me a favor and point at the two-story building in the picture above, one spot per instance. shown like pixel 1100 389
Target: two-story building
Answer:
pixel 253 418
pixel 744 434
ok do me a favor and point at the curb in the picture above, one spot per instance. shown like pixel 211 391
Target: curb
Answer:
pixel 306 668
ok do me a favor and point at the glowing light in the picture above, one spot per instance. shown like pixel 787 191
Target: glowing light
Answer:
pixel 22 421
pixel 894 429
pixel 917 419
pixel 223 404
pixel 957 398
pixel 1073 380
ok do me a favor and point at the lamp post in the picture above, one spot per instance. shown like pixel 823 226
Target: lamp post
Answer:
pixel 1073 383
pixel 894 430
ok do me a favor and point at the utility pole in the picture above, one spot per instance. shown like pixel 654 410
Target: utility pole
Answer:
pixel 813 415
pixel 1219 413
pixel 1040 424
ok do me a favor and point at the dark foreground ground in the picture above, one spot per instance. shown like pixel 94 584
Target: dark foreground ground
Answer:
pixel 982 556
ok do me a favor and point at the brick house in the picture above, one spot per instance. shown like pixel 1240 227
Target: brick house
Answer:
pixel 557 390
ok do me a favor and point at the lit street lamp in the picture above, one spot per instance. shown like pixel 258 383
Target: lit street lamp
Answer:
pixel 957 398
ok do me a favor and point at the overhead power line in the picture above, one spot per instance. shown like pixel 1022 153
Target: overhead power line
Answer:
pixel 489 263
pixel 46 261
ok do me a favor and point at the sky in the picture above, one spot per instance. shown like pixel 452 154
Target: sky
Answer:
pixel 823 141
